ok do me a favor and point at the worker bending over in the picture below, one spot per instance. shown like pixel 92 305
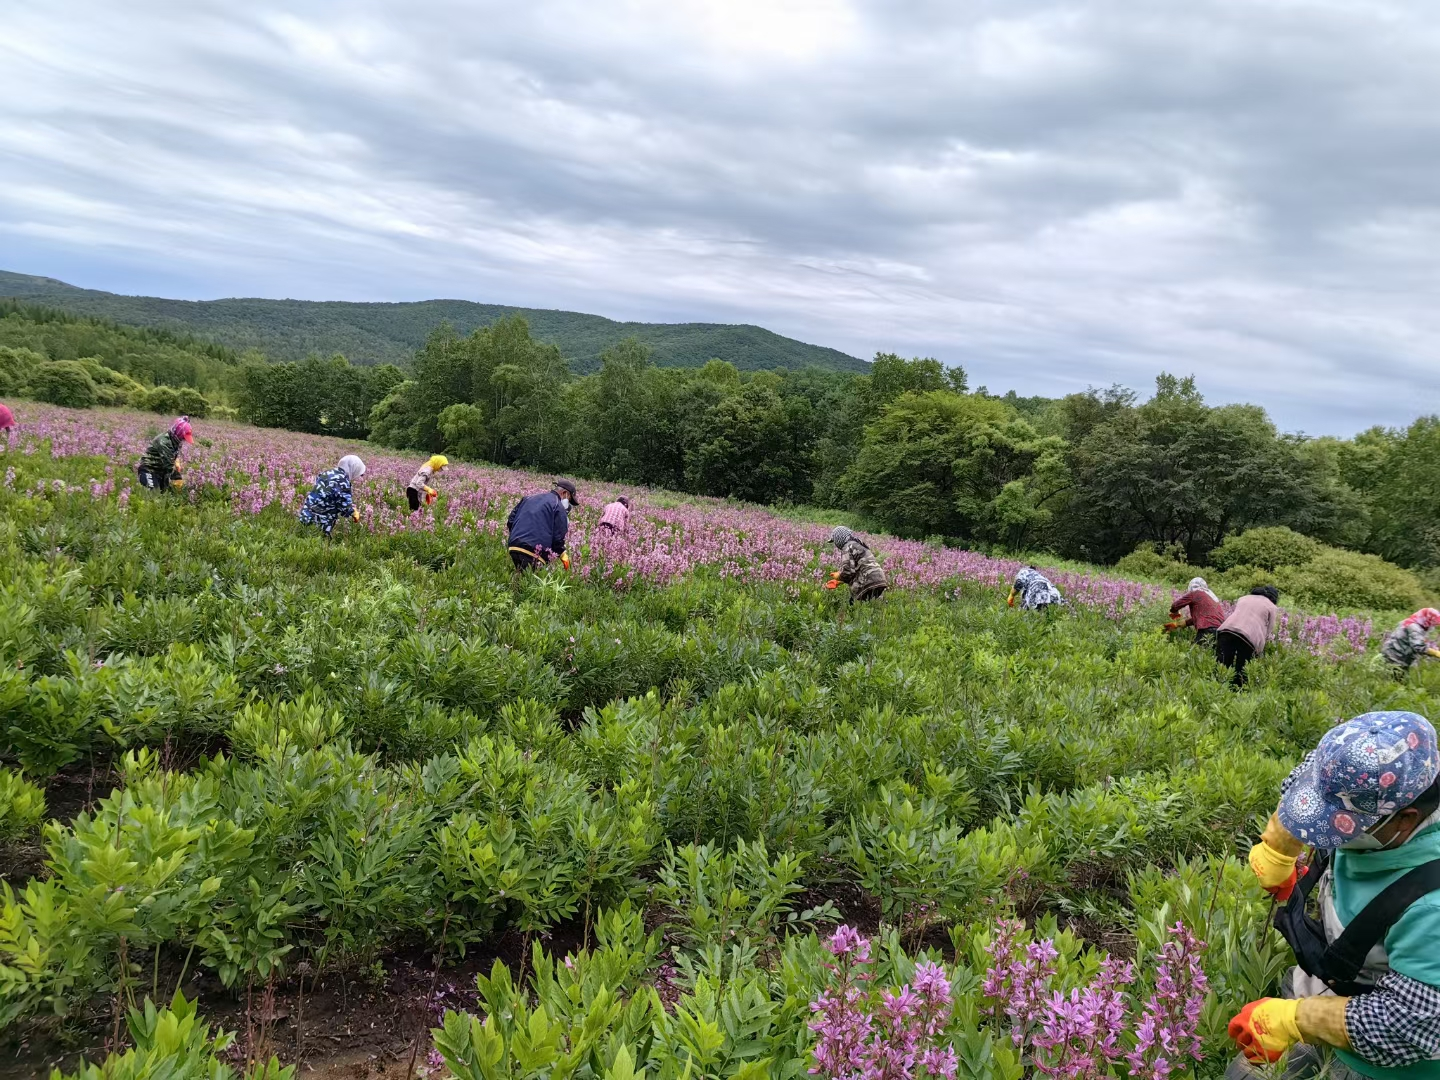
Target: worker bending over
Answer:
pixel 1368 980
pixel 538 525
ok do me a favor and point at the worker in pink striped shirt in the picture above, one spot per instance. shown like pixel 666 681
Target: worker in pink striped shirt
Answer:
pixel 616 515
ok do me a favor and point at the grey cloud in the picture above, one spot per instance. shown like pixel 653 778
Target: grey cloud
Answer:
pixel 1055 194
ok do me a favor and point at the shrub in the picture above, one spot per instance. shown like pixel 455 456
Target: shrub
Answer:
pixel 1269 549
pixel 1347 579
pixel 193 403
pixel 64 382
pixel 17 366
pixel 1145 562
pixel 22 805
pixel 111 387
pixel 159 399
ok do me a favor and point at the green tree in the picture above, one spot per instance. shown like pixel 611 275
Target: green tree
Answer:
pixel 957 465
pixel 754 445
pixel 1174 471
pixel 1406 495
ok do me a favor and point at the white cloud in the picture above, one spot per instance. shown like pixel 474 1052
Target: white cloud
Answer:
pixel 1055 194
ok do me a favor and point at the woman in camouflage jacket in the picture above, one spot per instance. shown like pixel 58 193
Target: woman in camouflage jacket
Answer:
pixel 859 568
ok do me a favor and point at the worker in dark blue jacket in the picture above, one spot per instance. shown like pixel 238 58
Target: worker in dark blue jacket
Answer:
pixel 538 525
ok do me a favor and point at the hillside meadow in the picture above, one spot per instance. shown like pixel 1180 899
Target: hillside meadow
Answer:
pixel 683 811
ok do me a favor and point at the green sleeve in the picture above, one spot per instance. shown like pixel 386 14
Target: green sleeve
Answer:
pixel 1414 941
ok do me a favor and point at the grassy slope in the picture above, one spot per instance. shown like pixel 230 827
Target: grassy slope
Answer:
pixel 377 333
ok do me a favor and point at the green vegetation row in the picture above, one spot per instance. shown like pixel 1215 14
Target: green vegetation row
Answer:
pixel 330 751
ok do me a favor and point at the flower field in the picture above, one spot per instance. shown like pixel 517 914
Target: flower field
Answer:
pixel 680 814
pixel 259 468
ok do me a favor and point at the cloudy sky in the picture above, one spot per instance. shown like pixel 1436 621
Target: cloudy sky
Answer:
pixel 1053 194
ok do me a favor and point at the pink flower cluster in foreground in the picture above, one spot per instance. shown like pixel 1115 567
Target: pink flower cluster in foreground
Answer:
pixel 860 1038
pixel 1078 1036
pixel 262 467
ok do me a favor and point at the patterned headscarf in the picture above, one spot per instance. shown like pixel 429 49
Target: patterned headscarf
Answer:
pixel 1426 618
pixel 840 536
pixel 181 429
pixel 352 467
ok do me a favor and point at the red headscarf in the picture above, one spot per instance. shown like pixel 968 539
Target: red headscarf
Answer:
pixel 1426 618
pixel 181 429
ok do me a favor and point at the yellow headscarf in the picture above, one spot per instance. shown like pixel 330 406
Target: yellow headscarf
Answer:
pixel 437 462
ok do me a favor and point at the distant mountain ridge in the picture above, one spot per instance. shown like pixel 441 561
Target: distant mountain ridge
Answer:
pixel 374 333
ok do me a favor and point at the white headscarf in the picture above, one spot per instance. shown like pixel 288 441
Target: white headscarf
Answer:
pixel 353 467
pixel 1197 584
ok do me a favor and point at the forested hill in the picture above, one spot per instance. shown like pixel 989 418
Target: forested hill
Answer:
pixel 379 333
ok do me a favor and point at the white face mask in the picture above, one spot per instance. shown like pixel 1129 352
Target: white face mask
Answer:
pixel 1367 841
pixel 565 503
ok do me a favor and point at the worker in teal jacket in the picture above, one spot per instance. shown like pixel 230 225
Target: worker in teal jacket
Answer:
pixel 1370 794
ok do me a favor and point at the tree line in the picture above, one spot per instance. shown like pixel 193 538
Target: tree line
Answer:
pixel 909 446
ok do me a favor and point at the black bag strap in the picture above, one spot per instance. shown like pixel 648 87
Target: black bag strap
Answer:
pixel 1346 954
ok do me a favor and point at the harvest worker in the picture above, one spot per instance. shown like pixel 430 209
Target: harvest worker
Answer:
pixel 538 524
pixel 1368 981
pixel 7 418
pixel 859 568
pixel 1245 633
pixel 615 516
pixel 1035 591
pixel 157 469
pixel 419 487
pixel 1202 609
pixel 334 495
pixel 1406 644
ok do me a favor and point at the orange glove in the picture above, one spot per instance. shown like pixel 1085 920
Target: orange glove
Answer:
pixel 1010 600
pixel 565 559
pixel 430 495
pixel 832 584
pixel 1265 1029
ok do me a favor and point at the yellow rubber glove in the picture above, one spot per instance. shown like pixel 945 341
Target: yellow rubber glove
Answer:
pixel 565 560
pixel 356 514
pixel 1010 600
pixel 1273 868
pixel 1265 1029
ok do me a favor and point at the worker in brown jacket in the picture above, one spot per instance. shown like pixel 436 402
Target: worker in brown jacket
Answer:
pixel 1245 633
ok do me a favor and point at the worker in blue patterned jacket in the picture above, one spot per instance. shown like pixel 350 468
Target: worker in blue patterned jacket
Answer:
pixel 334 495
pixel 1368 984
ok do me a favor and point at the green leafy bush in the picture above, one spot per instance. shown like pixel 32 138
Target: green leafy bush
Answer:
pixel 158 399
pixel 1268 548
pixel 17 367
pixel 22 805
pixel 173 1043
pixel 173 401
pixel 111 387
pixel 192 403
pixel 64 382
pixel 1348 579
pixel 1146 563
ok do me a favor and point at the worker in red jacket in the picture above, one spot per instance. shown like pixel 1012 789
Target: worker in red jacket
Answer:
pixel 1202 609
